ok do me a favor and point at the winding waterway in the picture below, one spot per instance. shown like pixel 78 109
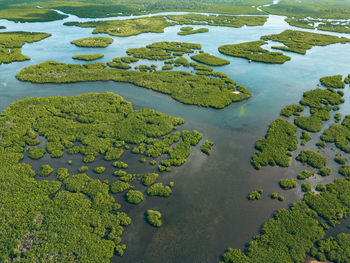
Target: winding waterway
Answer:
pixel 208 210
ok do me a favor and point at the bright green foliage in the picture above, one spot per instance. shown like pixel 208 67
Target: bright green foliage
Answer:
pixel 83 169
pixel 190 32
pixel 158 189
pixel 11 43
pixel 306 188
pixel 119 186
pixel 288 183
pixel 340 160
pixel 186 28
pixel 149 179
pixel 312 158
pixel 154 218
pixel 36 153
pixel 153 162
pixel 274 195
pixel 120 165
pixel 333 82
pixel 201 67
pixel 311 124
pixel 293 109
pixel 218 20
pixel 100 170
pixel 93 42
pixel 62 174
pixel 273 149
pixel 345 170
pixel 337 117
pixel 305 174
pixel 129 59
pixel 120 173
pixel 143 160
pixel 182 86
pixel 339 134
pixel 280 198
pixel 45 170
pixel 147 53
pixel 285 238
pixel 128 27
pixel 181 61
pixel 318 98
pixel 254 195
pixel 305 137
pixel 134 197
pixel 253 51
pixel 209 59
pixel 325 171
pixel 206 148
pixel 88 57
pixel 300 41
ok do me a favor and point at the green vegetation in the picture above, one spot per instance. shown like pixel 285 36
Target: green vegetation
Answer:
pixel 149 179
pixel 301 41
pixel 333 248
pixel 134 197
pixel 280 198
pixel 143 160
pixel 167 67
pixel 206 148
pixel 154 218
pixel 36 153
pixel 338 134
pixel 333 82
pixel 305 137
pixel 62 174
pixel 218 20
pixel 119 187
pixel 273 150
pixel 88 57
pixel 253 51
pixel 128 27
pixel 93 42
pixel 100 170
pixel 340 160
pixel 117 63
pixel 305 174
pixel 158 189
pixel 311 124
pixel 11 43
pixel 306 188
pixel 129 59
pixel 190 32
pixel 255 195
pixel 186 28
pixel 345 170
pixel 45 170
pixel 274 195
pixel 337 117
pixel 325 171
pixel 209 59
pixel 321 187
pixel 321 145
pixel 288 184
pixel 27 12
pixel 182 86
pixel 120 165
pixel 83 169
pixel 293 109
pixel 312 158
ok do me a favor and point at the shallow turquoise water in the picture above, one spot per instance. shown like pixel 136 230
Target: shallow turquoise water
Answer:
pixel 208 211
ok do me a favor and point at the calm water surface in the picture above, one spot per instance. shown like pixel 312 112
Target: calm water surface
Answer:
pixel 208 210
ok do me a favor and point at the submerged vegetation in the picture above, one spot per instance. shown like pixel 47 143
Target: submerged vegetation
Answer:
pixel 93 42
pixel 11 43
pixel 253 51
pixel 301 41
pixel 210 60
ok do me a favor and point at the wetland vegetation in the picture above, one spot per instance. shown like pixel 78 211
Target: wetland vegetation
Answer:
pixel 93 42
pixel 191 32
pixel 210 60
pixel 88 57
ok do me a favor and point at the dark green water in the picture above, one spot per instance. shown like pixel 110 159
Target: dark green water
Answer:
pixel 208 210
